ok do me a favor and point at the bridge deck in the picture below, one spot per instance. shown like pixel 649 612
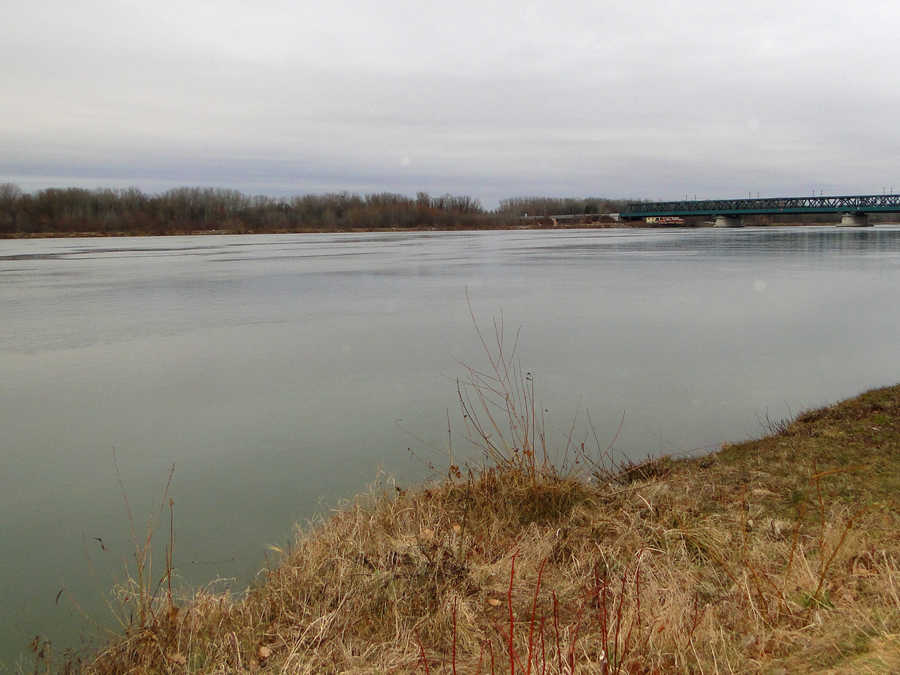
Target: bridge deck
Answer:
pixel 768 205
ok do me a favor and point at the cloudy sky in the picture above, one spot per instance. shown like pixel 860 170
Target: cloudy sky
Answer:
pixel 489 98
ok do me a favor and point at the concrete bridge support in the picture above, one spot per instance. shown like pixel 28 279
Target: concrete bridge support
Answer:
pixel 728 221
pixel 855 220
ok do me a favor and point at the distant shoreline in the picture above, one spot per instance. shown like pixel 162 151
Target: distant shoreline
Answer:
pixel 355 230
pixel 77 212
pixel 363 230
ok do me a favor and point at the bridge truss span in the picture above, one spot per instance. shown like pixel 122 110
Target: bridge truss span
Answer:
pixel 848 204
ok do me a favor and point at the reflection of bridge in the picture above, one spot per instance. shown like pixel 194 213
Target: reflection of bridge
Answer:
pixel 854 210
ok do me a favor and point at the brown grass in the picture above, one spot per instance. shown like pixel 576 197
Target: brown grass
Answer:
pixel 776 555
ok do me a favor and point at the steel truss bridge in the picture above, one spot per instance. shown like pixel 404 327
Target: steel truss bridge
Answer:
pixel 858 206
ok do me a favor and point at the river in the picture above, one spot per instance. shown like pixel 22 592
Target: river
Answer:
pixel 281 373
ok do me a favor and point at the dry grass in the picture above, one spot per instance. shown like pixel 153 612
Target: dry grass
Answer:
pixel 775 555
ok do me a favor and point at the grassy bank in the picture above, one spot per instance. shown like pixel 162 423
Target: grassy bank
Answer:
pixel 777 555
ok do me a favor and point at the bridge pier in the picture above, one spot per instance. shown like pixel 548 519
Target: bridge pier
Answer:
pixel 728 221
pixel 855 220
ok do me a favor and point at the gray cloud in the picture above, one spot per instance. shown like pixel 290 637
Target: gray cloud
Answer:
pixel 489 98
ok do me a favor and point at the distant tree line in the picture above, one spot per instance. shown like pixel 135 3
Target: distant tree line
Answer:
pixel 190 209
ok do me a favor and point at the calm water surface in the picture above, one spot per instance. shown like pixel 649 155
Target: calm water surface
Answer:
pixel 281 373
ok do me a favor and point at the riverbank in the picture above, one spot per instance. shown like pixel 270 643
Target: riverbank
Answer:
pixel 779 555
pixel 314 230
pixel 364 230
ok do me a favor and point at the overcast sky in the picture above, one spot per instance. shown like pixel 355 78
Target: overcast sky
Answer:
pixel 492 99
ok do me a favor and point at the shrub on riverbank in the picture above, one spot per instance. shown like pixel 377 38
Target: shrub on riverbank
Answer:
pixel 776 555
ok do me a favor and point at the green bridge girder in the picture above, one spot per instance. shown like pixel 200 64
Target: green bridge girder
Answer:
pixel 770 205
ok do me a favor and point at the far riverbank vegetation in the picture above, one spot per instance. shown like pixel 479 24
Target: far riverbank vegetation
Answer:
pixel 190 210
pixel 72 211
pixel 777 555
